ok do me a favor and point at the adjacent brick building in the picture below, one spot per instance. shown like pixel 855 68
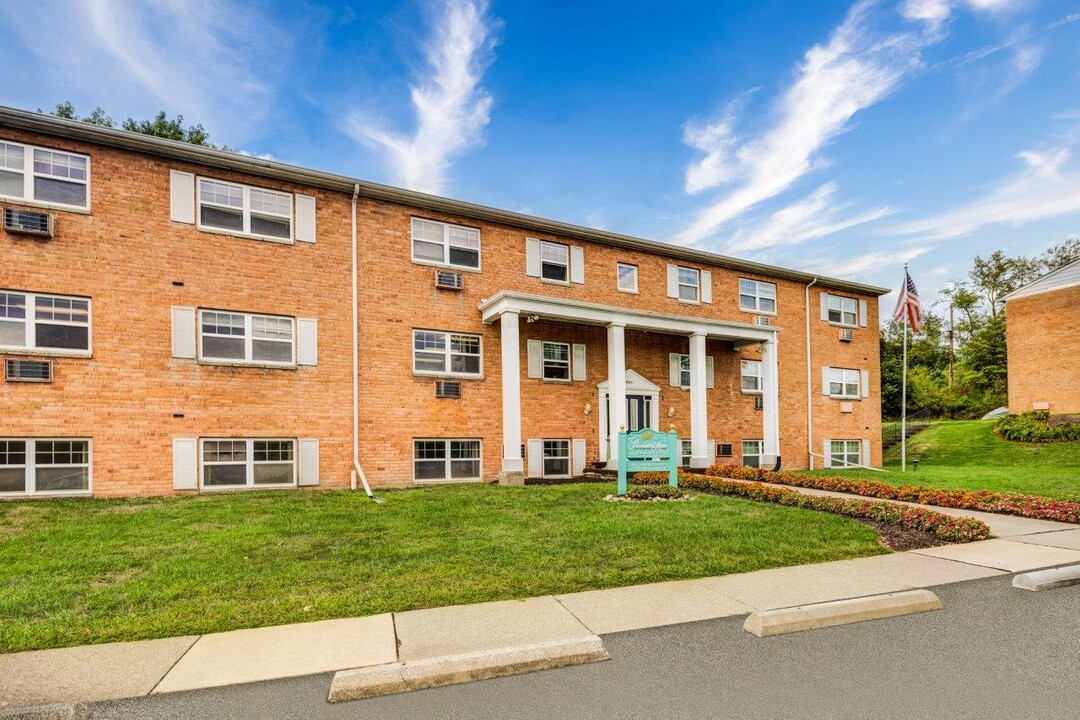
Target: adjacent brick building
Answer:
pixel 178 319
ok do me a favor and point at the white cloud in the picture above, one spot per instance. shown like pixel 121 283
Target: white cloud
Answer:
pixel 1047 187
pixel 451 107
pixel 866 263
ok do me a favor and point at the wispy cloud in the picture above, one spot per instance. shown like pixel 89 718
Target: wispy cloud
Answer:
pixel 451 106
pixel 867 262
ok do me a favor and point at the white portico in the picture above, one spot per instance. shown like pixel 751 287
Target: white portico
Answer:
pixel 509 308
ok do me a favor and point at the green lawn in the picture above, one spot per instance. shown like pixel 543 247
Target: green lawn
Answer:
pixel 967 454
pixel 90 571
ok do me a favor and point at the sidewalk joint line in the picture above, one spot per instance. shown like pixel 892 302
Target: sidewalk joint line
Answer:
pixel 173 666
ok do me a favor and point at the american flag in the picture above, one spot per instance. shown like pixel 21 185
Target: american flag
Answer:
pixel 907 305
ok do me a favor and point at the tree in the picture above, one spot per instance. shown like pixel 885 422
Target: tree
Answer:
pixel 994 277
pixel 160 126
pixel 1060 255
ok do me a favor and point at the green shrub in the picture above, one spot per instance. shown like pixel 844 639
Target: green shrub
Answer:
pixel 1036 427
pixel 648 492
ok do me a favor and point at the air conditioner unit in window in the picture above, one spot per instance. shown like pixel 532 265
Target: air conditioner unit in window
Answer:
pixel 762 320
pixel 28 370
pixel 447 389
pixel 847 334
pixel 449 280
pixel 723 449
pixel 28 223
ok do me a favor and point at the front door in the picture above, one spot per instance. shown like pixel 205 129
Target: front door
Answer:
pixel 638 412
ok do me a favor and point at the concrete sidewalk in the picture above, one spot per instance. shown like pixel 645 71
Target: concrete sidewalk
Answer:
pixel 118 670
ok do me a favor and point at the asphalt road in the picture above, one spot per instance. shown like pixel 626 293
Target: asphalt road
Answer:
pixel 992 652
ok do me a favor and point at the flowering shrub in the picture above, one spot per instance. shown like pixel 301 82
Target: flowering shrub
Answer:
pixel 1031 506
pixel 1036 427
pixel 944 527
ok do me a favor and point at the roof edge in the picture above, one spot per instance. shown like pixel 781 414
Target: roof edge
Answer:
pixel 1031 289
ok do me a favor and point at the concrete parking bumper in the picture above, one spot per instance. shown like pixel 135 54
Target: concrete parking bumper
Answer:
pixel 1048 579
pixel 840 612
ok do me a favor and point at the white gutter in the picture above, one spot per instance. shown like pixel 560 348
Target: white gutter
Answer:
pixel 357 470
pixel 809 392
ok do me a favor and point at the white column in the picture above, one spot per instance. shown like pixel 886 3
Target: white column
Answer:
pixel 511 392
pixel 770 399
pixel 699 416
pixel 616 375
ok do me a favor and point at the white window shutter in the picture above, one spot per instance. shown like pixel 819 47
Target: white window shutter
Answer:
pixel 305 218
pixel 710 449
pixel 824 381
pixel 706 286
pixel 865 459
pixel 532 257
pixel 862 313
pixel 674 370
pixel 307 341
pixel 182 197
pixel 577 265
pixel 826 450
pixel 824 306
pixel 309 462
pixel 673 281
pixel 579 362
pixel 578 458
pixel 864 382
pixel 710 378
pixel 183 332
pixel 535 455
pixel 536 358
pixel 185 463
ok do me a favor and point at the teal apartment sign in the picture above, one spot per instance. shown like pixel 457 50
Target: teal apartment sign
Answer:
pixel 648 450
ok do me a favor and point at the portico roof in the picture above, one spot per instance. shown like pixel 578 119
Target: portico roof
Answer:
pixel 586 313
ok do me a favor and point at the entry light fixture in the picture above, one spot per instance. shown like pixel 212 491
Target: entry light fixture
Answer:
pixel 671 411
pixel 588 408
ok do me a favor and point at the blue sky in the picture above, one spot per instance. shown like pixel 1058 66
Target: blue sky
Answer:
pixel 842 138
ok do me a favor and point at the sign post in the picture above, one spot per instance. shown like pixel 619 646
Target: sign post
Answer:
pixel 648 450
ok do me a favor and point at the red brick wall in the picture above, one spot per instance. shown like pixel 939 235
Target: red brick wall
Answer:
pixel 1044 351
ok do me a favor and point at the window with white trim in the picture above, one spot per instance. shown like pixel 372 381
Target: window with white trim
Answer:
pixel 844 383
pixel 556 458
pixel 750 371
pixel 233 462
pixel 237 208
pixel 30 466
pixel 441 243
pixel 554 261
pixel 684 371
pixel 44 175
pixel 751 453
pixel 845 453
pixel 757 296
pixel 439 460
pixel 245 338
pixel 842 310
pixel 33 321
pixel 689 284
pixel 446 353
pixel 686 448
pixel 627 275
pixel 557 361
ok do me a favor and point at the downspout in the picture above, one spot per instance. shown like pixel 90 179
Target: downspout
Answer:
pixel 809 385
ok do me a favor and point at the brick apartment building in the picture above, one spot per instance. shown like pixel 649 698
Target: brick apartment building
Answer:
pixel 179 319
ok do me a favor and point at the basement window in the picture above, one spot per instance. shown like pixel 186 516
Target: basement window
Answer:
pixel 441 460
pixel 30 466
pixel 233 463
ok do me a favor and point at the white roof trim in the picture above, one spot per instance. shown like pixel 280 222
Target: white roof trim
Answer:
pixel 635 383
pixel 1064 277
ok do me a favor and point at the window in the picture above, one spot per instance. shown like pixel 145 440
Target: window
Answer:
pixel 685 450
pixel 757 296
pixel 44 322
pixel 627 277
pixel 684 371
pixel 244 338
pixel 242 209
pixel 751 453
pixel 29 466
pixel 445 244
pixel 42 175
pixel 844 453
pixel 843 383
pixel 554 261
pixel 557 361
pixel 248 463
pixel 689 281
pixel 446 353
pixel 751 376
pixel 446 460
pixel 556 458
pixel 842 310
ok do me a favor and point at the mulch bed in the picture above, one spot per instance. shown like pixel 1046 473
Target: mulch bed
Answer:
pixel 901 538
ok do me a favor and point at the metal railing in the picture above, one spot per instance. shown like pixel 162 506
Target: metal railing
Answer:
pixel 916 422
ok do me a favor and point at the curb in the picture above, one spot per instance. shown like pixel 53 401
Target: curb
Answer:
pixel 40 712
pixel 1048 579
pixel 402 677
pixel 840 612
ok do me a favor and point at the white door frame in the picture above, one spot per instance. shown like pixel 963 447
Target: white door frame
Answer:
pixel 635 385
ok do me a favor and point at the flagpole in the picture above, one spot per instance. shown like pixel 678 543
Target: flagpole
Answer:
pixel 903 393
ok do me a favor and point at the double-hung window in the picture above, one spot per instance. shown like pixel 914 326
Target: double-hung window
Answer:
pixel 557 361
pixel 244 338
pixel 751 453
pixel 845 453
pixel 45 176
pixel 556 458
pixel 751 375
pixel 231 463
pixel 445 244
pixel 757 296
pixel 554 261
pixel 36 322
pixel 684 371
pixel 446 460
pixel 686 448
pixel 844 383
pixel 236 208
pixel 842 310
pixel 30 465
pixel 627 275
pixel 689 284
pixel 446 353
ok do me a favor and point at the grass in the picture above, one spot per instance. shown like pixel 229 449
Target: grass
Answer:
pixel 966 454
pixel 89 571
